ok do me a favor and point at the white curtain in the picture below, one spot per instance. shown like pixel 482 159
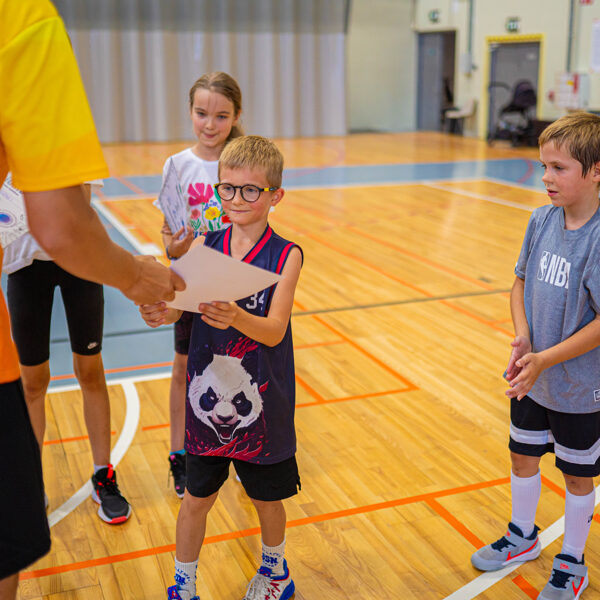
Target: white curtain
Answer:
pixel 139 58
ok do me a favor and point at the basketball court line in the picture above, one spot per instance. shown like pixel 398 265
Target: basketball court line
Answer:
pixel 320 518
pixel 132 419
pixel 125 231
pixel 477 196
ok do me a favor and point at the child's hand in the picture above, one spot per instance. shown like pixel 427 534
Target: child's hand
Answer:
pixel 219 314
pixel 521 346
pixel 154 314
pixel 178 247
pixel 530 366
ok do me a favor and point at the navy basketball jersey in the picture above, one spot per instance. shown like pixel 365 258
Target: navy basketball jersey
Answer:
pixel 241 394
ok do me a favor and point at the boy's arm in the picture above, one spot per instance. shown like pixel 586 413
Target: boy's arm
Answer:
pixel 267 330
pixel 521 344
pixel 533 363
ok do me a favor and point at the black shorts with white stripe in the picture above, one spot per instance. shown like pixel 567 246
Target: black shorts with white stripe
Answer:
pixel 573 438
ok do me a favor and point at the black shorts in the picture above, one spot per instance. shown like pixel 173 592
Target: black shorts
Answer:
pixel 183 332
pixel 573 438
pixel 24 532
pixel 30 293
pixel 206 475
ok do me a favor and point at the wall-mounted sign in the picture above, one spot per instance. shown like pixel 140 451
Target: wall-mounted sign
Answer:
pixel 434 15
pixel 513 24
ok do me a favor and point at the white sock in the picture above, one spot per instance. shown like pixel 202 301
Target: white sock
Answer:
pixel 579 511
pixel 185 578
pixel 98 467
pixel 272 557
pixel 525 497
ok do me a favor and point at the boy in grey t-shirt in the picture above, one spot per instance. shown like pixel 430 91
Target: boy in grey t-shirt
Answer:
pixel 553 370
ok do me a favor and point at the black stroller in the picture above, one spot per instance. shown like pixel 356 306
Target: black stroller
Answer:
pixel 515 119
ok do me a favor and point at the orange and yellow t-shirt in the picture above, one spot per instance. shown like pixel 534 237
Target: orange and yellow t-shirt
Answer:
pixel 47 135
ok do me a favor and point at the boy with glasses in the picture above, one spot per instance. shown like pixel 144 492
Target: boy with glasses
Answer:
pixel 241 385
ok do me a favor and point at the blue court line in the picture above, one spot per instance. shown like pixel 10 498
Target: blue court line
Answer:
pixel 516 170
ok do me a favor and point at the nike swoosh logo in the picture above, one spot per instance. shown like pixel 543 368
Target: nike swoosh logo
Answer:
pixel 576 589
pixel 509 557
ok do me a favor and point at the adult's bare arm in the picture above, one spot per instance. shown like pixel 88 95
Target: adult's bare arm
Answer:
pixel 68 229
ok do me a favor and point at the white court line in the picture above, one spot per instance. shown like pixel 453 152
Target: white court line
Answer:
pixel 515 184
pixel 152 249
pixel 132 419
pixel 480 196
pixel 69 387
pixel 487 580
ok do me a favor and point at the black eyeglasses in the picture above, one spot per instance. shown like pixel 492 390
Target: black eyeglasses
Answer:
pixel 249 192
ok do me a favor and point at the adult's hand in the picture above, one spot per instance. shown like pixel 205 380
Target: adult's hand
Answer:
pixel 153 283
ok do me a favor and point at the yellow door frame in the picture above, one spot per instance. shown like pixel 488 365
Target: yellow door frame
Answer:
pixel 508 39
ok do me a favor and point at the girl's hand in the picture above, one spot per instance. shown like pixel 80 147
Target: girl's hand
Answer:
pixel 219 314
pixel 154 314
pixel 521 346
pixel 178 247
pixel 530 366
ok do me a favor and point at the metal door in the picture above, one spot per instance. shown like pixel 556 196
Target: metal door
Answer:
pixel 510 63
pixel 435 89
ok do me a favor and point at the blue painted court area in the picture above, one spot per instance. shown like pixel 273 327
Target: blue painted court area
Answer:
pixel 128 342
pixel 510 170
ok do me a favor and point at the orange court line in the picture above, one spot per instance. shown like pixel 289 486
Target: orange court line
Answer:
pixel 78 438
pixel 315 403
pixel 401 281
pixel 134 188
pixel 525 586
pixel 348 512
pixel 128 222
pixel 118 370
pixel 324 217
pixel 309 389
pixel 358 397
pixel 468 313
pixel 553 487
pixel 170 363
pixel 520 581
pixel 455 523
pixel 387 368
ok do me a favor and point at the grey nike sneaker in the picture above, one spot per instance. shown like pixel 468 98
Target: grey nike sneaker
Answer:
pixel 568 579
pixel 511 548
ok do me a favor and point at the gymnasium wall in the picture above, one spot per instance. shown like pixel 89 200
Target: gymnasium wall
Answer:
pixel 139 58
pixel 382 66
pixel 548 19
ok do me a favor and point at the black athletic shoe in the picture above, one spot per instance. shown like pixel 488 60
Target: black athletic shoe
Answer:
pixel 178 462
pixel 113 507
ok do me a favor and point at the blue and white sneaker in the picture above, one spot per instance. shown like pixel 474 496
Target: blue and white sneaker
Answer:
pixel 173 593
pixel 568 580
pixel 266 586
pixel 511 548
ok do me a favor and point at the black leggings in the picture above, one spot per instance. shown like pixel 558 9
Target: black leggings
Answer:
pixel 30 293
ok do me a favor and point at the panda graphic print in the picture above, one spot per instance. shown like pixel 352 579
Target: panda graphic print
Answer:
pixel 241 393
pixel 226 399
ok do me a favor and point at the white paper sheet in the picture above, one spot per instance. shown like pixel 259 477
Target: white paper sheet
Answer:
pixel 13 220
pixel 171 200
pixel 212 276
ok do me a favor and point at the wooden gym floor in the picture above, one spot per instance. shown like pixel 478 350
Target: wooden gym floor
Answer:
pixel 402 330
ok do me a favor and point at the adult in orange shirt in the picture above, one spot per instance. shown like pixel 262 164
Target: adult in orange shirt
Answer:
pixel 48 141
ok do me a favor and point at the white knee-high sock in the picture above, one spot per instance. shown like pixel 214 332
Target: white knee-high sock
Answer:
pixel 579 511
pixel 525 497
pixel 185 578
pixel 272 557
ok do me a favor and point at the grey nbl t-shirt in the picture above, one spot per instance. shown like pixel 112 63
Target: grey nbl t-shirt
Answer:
pixel 561 269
